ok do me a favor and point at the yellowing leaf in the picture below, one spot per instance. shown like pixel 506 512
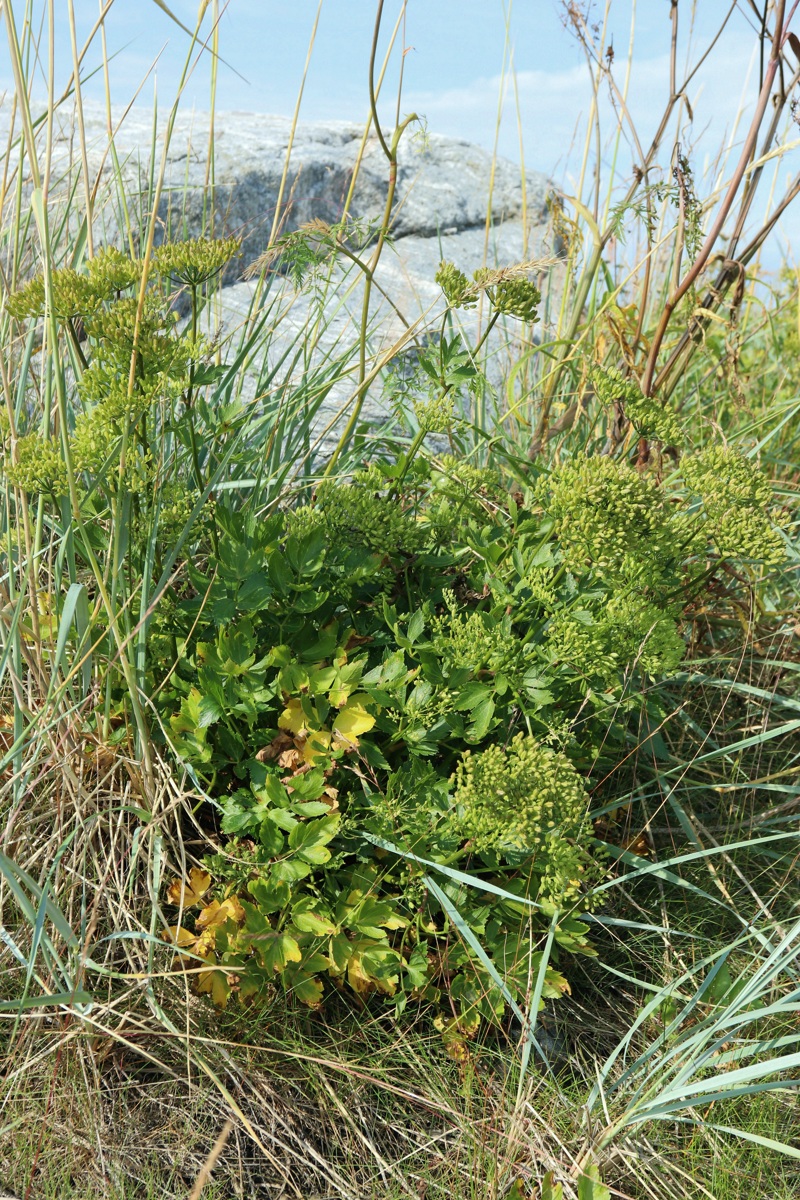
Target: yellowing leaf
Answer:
pixel 305 988
pixel 293 718
pixel 179 936
pixel 362 982
pixel 216 914
pixel 352 721
pixel 215 983
pixel 185 894
pixel 317 745
pixel 357 977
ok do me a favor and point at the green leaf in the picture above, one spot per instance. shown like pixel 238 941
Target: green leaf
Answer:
pixel 550 1189
pixel 471 696
pixel 310 840
pixel 590 1185
pixel 481 719
pixel 371 916
pixel 256 592
pixel 271 837
pixel 311 808
pixel 270 897
pixel 415 626
pixel 312 922
pixel 279 949
pixel 290 870
pixel 303 986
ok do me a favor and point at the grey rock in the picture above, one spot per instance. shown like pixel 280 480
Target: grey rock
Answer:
pixel 451 203
pixel 444 185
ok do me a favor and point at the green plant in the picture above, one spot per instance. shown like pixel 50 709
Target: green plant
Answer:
pixel 351 673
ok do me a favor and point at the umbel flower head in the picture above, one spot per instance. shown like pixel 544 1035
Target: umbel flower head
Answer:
pixel 196 260
pixel 39 469
pixel 356 514
pixel 112 271
pixel 72 295
pixel 651 417
pixel 606 516
pixel 526 797
pixel 508 289
pixel 77 294
pixel 736 498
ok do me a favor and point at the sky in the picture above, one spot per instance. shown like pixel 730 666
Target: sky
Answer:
pixel 453 67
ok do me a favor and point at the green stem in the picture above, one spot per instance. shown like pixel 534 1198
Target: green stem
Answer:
pixel 390 150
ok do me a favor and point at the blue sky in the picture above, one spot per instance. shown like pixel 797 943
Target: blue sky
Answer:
pixel 453 67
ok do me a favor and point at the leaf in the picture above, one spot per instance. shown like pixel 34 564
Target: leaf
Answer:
pixel 256 592
pixel 215 983
pixel 304 987
pixel 215 914
pixel 186 894
pixel 471 696
pixel 317 745
pixel 590 1185
pixel 271 837
pixel 352 720
pixel 550 1189
pixel 371 915
pixel 311 808
pixel 312 922
pixel 310 840
pixel 281 949
pixel 358 978
pixel 481 719
pixel 179 936
pixel 415 626
pixel 290 870
pixel 293 718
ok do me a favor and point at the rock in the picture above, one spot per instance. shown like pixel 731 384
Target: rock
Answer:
pixel 446 188
pixel 444 184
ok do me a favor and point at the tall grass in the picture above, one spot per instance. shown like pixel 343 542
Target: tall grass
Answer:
pixel 698 938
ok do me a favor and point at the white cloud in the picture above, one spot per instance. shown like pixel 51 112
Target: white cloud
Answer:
pixel 554 107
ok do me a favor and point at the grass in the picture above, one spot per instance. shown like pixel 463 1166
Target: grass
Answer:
pixel 117 1078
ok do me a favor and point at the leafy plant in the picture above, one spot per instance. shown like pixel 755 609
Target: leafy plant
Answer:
pixel 405 673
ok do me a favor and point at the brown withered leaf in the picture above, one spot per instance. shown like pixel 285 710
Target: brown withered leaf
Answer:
pixel 639 845
pixel 277 746
pixel 330 795
pixel 354 640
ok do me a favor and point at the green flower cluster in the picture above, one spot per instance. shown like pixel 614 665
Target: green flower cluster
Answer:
pixel 577 639
pixel 608 518
pixel 459 292
pixel 516 297
pixel 526 797
pixel 196 260
pixel 73 295
pixel 474 641
pixel 358 514
pixel 650 417
pixel 643 633
pixel 435 412
pixel 39 469
pixel 736 498
pixel 112 271
pixel 116 326
pixel 460 478
pixel 508 290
